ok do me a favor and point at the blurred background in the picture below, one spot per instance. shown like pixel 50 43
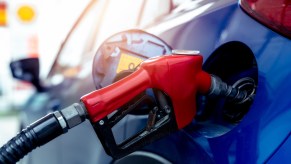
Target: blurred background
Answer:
pixel 29 29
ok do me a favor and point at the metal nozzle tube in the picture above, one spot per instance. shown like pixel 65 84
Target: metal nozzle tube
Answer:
pixel 221 89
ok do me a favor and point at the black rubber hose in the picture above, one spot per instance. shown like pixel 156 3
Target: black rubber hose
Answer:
pixel 37 134
pixel 41 132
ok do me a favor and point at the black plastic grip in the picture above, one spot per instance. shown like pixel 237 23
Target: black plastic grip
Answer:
pixel 37 134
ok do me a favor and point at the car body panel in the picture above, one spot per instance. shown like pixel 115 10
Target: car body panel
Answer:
pixel 282 153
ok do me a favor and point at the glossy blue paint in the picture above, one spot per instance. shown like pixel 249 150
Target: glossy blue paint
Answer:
pixel 267 124
pixel 282 155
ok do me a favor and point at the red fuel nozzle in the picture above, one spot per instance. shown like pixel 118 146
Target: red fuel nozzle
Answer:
pixel 179 76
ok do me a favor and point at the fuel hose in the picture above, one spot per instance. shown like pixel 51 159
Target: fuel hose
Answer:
pixel 41 132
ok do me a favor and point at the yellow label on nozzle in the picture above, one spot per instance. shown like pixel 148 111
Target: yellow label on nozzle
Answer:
pixel 128 62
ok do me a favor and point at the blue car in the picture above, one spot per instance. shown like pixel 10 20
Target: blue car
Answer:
pixel 247 45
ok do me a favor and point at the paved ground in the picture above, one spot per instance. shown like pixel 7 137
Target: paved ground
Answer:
pixel 9 126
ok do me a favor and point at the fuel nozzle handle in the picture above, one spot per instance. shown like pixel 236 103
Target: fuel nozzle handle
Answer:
pixel 176 79
pixel 221 89
pixel 179 76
